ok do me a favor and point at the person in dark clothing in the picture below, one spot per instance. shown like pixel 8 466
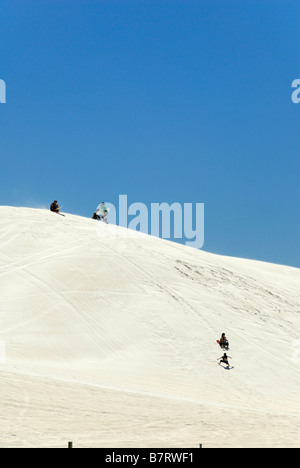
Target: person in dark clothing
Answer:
pixel 224 359
pixel 224 343
pixel 96 216
pixel 54 207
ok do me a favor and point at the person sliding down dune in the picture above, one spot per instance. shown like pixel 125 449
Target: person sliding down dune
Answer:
pixel 224 359
pixel 224 343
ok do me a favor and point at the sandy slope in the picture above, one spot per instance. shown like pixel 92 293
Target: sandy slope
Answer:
pixel 110 340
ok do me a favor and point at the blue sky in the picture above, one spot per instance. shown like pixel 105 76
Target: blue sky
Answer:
pixel 166 101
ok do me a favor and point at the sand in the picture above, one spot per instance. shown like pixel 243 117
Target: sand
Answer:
pixel 108 339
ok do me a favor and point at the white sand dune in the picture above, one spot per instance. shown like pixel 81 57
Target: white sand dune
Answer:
pixel 110 340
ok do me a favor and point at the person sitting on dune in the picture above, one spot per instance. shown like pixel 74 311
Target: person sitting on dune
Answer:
pixel 96 216
pixel 54 207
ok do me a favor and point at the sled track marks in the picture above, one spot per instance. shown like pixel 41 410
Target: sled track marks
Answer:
pixel 36 259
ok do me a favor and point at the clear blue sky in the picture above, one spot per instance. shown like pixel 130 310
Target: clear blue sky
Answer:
pixel 162 100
